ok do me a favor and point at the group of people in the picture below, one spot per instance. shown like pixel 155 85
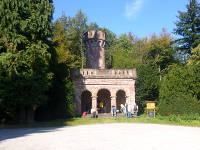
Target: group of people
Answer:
pixel 127 109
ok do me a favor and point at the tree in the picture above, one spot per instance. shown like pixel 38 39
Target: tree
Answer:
pixel 188 27
pixel 70 34
pixel 125 53
pixel 180 91
pixel 63 44
pixel 75 29
pixel 25 29
pixel 147 85
pixel 159 51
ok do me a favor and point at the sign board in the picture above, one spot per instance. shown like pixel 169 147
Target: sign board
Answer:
pixel 151 105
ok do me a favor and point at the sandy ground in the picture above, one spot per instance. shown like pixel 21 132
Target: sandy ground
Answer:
pixel 117 136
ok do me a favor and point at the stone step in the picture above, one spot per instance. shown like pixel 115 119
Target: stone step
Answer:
pixel 105 115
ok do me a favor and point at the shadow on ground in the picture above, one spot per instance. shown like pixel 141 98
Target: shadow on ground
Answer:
pixel 20 130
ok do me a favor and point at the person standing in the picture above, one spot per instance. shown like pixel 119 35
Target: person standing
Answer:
pixel 101 106
pixel 94 113
pixel 122 109
pixel 130 108
pixel 126 109
pixel 113 111
pixel 135 109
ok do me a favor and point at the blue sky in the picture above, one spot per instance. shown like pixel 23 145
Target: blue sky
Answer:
pixel 142 17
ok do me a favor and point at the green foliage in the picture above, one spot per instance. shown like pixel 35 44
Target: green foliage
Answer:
pixel 147 85
pixel 24 22
pixel 180 91
pixel 66 54
pixel 121 59
pixel 130 52
pixel 64 50
pixel 123 54
pixel 22 81
pixel 188 27
pixel 159 50
pixel 70 98
pixel 25 27
pixel 195 58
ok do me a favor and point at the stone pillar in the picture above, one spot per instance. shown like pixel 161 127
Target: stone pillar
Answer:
pixel 127 99
pixel 113 101
pixel 94 102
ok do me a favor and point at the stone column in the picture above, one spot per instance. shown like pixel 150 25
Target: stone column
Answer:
pixel 94 102
pixel 127 99
pixel 113 101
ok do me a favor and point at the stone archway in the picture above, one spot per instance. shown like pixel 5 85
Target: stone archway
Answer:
pixel 104 96
pixel 120 98
pixel 86 101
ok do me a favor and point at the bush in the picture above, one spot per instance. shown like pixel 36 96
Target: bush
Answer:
pixel 180 91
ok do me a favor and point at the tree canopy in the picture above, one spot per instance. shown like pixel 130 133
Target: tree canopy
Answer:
pixel 25 29
pixel 188 27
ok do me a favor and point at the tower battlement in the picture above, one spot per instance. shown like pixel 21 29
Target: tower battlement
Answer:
pixel 93 34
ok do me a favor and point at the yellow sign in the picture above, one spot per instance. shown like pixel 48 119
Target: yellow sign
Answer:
pixel 151 105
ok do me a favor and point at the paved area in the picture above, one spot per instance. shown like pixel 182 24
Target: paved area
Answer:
pixel 117 136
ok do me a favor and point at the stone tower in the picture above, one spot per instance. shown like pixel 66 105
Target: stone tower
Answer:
pixel 95 52
pixel 95 84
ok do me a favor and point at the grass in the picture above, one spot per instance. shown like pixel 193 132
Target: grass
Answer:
pixel 172 120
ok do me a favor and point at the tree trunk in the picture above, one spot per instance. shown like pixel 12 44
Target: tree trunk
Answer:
pixel 30 114
pixel 160 72
pixel 22 115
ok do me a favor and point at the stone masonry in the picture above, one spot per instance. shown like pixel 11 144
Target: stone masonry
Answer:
pixel 95 42
pixel 96 77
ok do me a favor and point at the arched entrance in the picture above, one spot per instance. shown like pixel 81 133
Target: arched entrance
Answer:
pixel 104 97
pixel 86 101
pixel 120 98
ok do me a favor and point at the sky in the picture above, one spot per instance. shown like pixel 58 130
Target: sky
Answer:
pixel 141 17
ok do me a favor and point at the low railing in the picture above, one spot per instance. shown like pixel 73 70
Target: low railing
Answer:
pixel 104 73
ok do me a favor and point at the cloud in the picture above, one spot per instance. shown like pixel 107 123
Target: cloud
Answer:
pixel 132 8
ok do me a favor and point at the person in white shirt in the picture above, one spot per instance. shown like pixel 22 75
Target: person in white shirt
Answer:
pixel 94 113
pixel 130 108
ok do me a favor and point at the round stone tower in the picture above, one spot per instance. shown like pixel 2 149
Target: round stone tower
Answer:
pixel 95 52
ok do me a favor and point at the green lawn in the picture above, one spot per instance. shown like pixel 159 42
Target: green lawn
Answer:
pixel 172 120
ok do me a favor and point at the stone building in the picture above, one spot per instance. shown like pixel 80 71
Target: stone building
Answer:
pixel 96 84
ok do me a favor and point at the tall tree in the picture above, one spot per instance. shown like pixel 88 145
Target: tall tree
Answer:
pixel 73 29
pixel 188 27
pixel 147 85
pixel 77 26
pixel 122 52
pixel 25 29
pixel 159 51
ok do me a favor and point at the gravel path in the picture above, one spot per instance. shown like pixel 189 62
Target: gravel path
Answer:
pixel 118 136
